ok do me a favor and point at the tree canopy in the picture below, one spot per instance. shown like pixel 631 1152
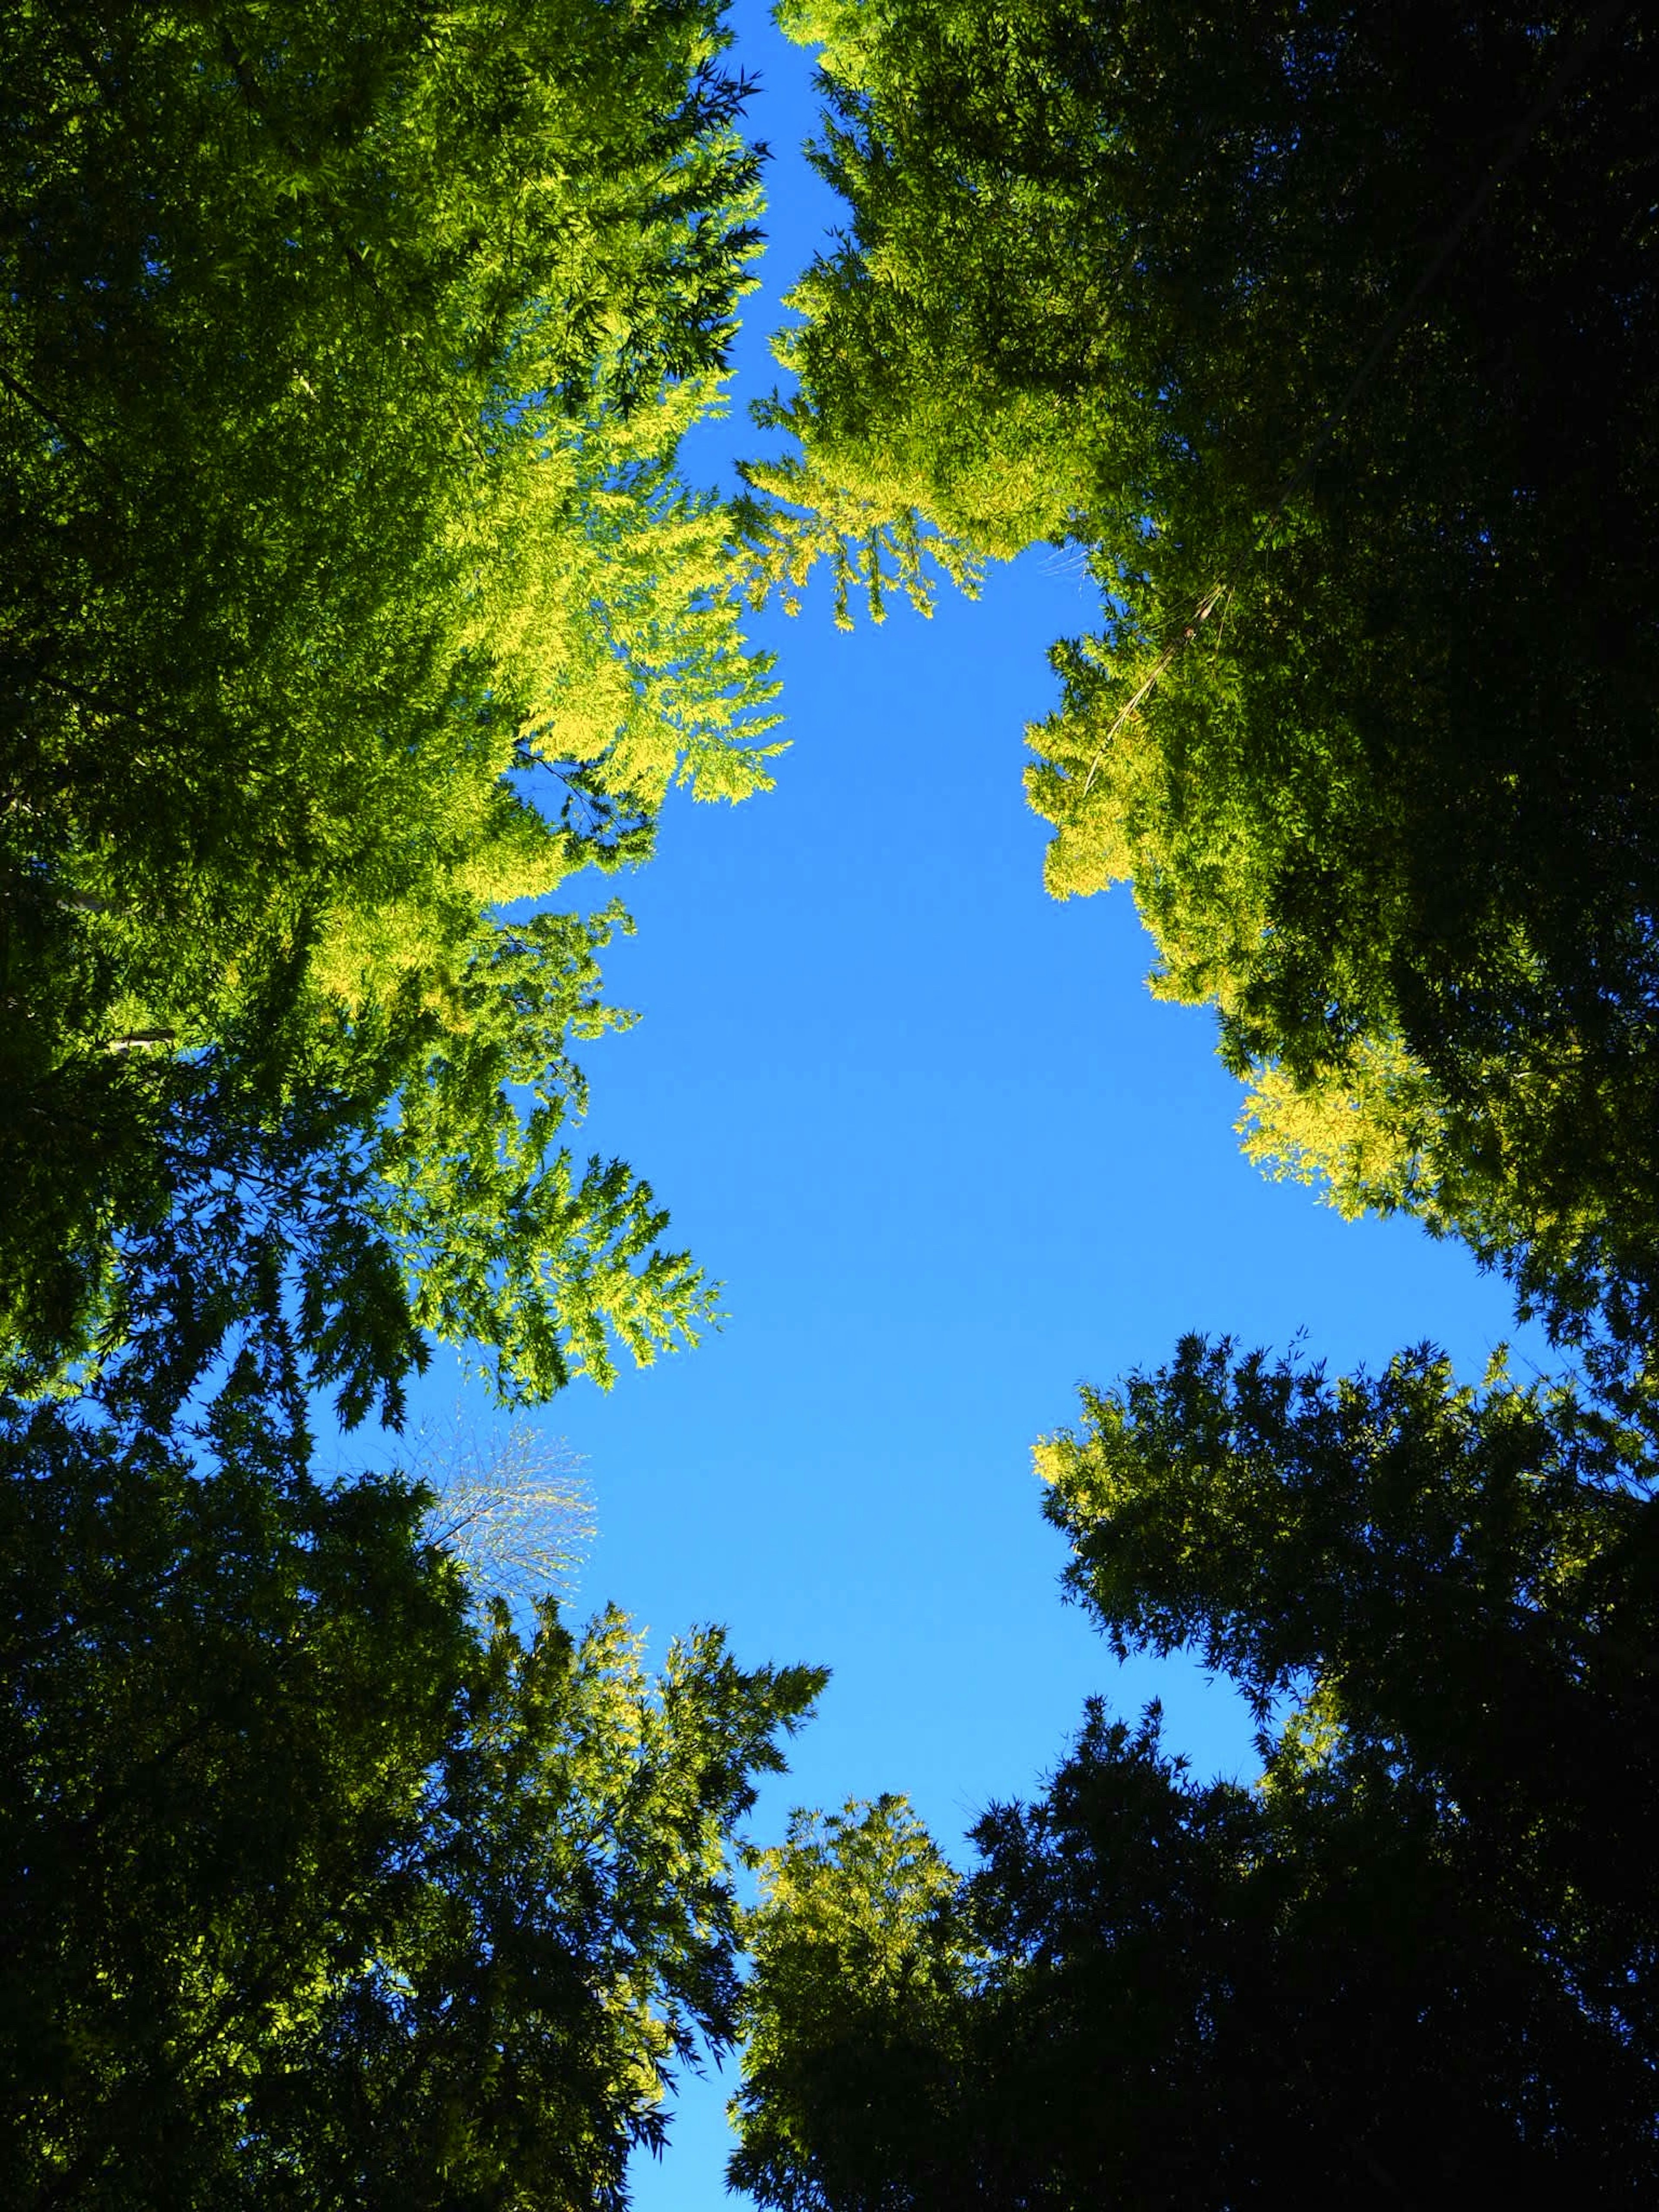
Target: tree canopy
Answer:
pixel 352 603
pixel 1415 1960
pixel 322 1884
pixel 1329 331
pixel 353 606
pixel 352 598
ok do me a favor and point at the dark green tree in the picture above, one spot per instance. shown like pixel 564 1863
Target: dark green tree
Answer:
pixel 1329 332
pixel 349 596
pixel 318 1885
pixel 1417 1959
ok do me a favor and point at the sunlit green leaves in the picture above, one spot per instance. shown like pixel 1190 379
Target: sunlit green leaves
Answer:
pixel 1345 388
pixel 355 597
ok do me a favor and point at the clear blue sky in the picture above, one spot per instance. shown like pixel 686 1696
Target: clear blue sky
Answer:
pixel 950 1159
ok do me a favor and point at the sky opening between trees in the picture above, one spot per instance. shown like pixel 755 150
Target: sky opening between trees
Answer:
pixel 361 612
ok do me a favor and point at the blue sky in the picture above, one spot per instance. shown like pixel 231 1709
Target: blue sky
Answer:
pixel 950 1159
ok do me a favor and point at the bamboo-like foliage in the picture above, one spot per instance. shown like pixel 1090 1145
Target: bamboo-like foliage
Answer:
pixel 1415 1958
pixel 1328 333
pixel 324 1883
pixel 352 599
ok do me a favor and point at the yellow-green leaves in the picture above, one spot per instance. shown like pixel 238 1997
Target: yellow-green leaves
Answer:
pixel 801 515
pixel 1238 306
pixel 355 598
pixel 855 2002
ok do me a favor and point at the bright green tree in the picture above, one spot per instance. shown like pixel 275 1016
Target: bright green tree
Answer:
pixel 350 598
pixel 1417 1961
pixel 1328 331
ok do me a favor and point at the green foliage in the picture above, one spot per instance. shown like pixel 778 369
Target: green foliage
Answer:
pixel 1413 1962
pixel 342 376
pixel 349 1233
pixel 322 1889
pixel 793 516
pixel 1329 331
pixel 1466 1573
pixel 342 371
pixel 855 2021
